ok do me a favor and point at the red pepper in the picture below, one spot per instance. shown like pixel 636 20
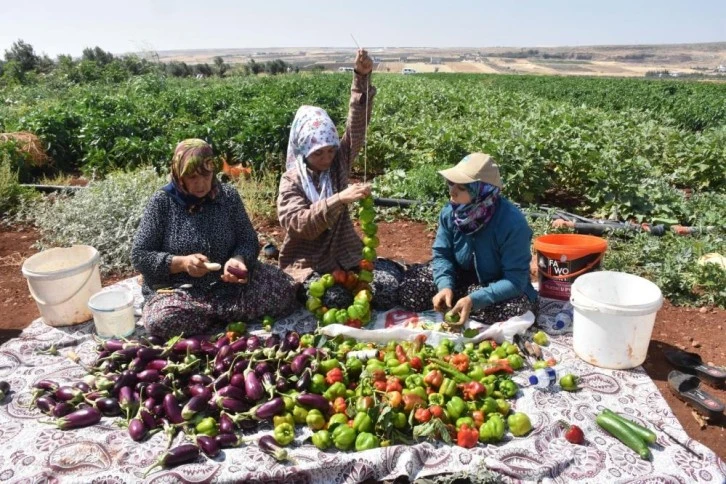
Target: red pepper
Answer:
pixel 422 415
pixel 460 361
pixel 231 335
pixel 551 362
pixel 339 405
pixel 393 384
pixel 434 378
pixel 394 399
pixel 379 385
pixel 416 363
pixel 478 417
pixel 378 375
pixel 499 365
pixel 467 436
pixel 436 411
pixel 401 354
pixel 472 390
pixel 333 376
pixel 354 323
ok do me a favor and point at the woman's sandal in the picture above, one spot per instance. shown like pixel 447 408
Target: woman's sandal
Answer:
pixel 692 364
pixel 687 388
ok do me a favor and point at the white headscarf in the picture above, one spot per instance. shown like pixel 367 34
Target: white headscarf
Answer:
pixel 311 130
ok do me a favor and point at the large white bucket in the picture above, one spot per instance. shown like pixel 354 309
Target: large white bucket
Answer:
pixel 61 281
pixel 614 313
pixel 113 313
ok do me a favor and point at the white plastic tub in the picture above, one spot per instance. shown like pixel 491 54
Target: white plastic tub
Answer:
pixel 113 313
pixel 61 281
pixel 614 313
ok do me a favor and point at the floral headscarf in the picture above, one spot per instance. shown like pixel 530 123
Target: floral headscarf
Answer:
pixel 475 215
pixel 190 156
pixel 311 130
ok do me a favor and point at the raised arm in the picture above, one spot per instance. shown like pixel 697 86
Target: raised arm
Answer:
pixel 359 110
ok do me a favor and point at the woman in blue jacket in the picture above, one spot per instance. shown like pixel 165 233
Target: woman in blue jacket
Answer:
pixel 481 254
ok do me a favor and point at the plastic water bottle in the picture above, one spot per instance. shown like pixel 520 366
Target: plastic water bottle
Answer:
pixel 544 378
pixel 563 319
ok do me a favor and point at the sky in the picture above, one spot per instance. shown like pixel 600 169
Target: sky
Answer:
pixel 68 26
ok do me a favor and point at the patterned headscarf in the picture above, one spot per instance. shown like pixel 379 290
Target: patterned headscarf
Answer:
pixel 474 216
pixel 311 130
pixel 190 156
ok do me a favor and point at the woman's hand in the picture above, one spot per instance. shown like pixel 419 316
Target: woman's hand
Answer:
pixel 238 267
pixel 355 192
pixel 463 308
pixel 363 63
pixel 194 265
pixel 443 299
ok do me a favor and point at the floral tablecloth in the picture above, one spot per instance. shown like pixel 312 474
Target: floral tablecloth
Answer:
pixel 32 451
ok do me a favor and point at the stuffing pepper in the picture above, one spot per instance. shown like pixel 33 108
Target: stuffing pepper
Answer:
pixel 476 373
pixel 284 418
pixel 456 407
pixel 365 441
pixel 322 440
pixel 485 347
pixel 289 403
pixel 465 421
pixel 412 401
pixel 335 390
pixel 239 327
pixel 329 364
pixel 364 404
pixel 460 361
pixel 442 350
pixel 394 384
pixel 508 388
pixel 416 391
pixel 436 399
pixel 416 363
pixel 437 411
pixel 413 381
pixel 338 418
pixel 448 388
pixel 394 399
pixel 422 415
pixel 434 378
pixel 503 406
pixel 284 434
pixel 340 405
pixel 489 405
pixel 467 437
pixel 401 354
pixel 473 390
pixel 401 370
pixel 343 437
pixel 333 376
pixel 315 419
pixel 299 414
pixel 362 422
pixel 493 429
pixel 540 337
pixel 317 384
pixel 515 361
pixel 207 426
pixel 519 424
pixel 354 367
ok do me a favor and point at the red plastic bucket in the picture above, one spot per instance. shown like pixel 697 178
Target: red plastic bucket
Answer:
pixel 561 258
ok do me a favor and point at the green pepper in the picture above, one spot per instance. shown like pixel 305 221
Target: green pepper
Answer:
pixel 399 420
pixel 493 429
pixel 343 437
pixel 515 361
pixel 354 367
pixel 315 419
pixel 284 434
pixel 317 384
pixel 365 441
pixel 374 364
pixel 539 364
pixel 441 351
pixel 289 403
pixel 402 369
pixel 485 347
pixel 336 390
pixel 307 340
pixel 413 381
pixel 207 426
pixel 284 418
pixel 489 405
pixel 448 387
pixel 464 421
pixel 489 388
pixel 362 422
pixel 299 414
pixel 238 327
pixel 343 350
pixel 471 406
pixel 500 352
pixel 338 418
pixel 476 373
pixel 508 388
pixel 329 364
pixel 391 360
pixel 540 337
pixel 322 440
pixel 456 407
pixel 436 399
pixel 503 406
pixel 491 379
pixel 519 424
pixel 416 391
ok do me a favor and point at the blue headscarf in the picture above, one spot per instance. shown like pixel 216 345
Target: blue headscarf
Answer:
pixel 474 216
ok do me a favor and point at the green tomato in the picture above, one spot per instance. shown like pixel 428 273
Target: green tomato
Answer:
pixel 369 254
pixel 322 439
pixel 369 228
pixel 450 317
pixel 365 276
pixel 569 383
pixel 540 337
pixel 366 441
pixel 371 241
pixel 316 289
pixel 519 424
pixel 330 317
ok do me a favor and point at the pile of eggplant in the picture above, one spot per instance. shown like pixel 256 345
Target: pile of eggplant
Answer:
pixel 209 388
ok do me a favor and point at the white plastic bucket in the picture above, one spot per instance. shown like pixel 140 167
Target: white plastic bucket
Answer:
pixel 113 313
pixel 61 281
pixel 614 313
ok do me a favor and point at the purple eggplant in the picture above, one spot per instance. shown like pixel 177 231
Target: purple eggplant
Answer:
pixel 176 456
pixel 154 340
pixel 267 410
pixel 299 363
pixel 108 407
pixel 221 367
pixel 226 424
pixel 253 388
pixel 240 366
pixel 222 353
pixel 113 345
pixel 148 354
pixel 82 386
pixel 80 418
pixel 127 400
pixel 193 406
pixel 95 395
pixel 137 429
pixel 188 345
pixel 272 341
pixel 68 394
pixel 136 365
pixel 126 379
pixel 263 367
pixel 231 404
pixel 172 409
pixel 285 370
pixel 253 342
pixel 109 366
pixel 237 380
pixel 312 352
pixel 157 365
pixel 281 385
pixel 62 409
pixel 148 376
pixel 240 344
pixel 148 404
pixel 200 391
pixel 232 392
pixel 45 404
pixel 147 416
pixel 223 341
pixel 221 381
pixel 156 391
pixel 200 379
pixel 208 348
pixel 293 339
pixel 46 385
pixel 208 445
pixel 227 440
pixel 303 382
pixel 268 445
pixel 313 400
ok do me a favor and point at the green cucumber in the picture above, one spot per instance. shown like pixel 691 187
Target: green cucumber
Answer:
pixel 643 432
pixel 623 433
